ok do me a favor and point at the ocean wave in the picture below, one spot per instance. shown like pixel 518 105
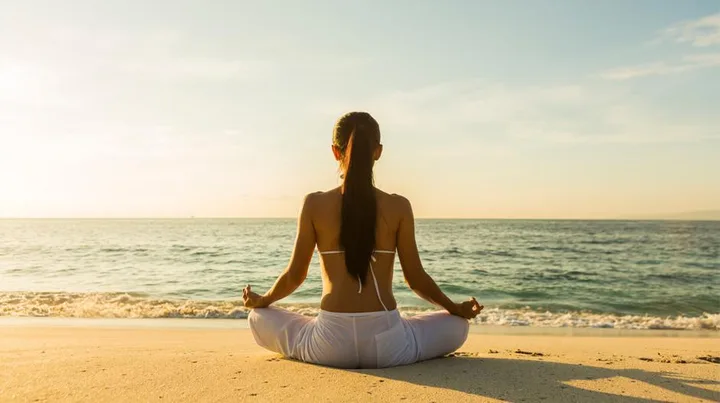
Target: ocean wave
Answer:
pixel 649 262
pixel 501 253
pixel 210 253
pixel 527 317
pixel 676 278
pixel 709 266
pixel 113 305
pixel 133 305
pixel 563 249
pixel 123 250
pixel 609 241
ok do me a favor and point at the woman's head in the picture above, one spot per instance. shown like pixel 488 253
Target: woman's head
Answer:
pixel 360 126
pixel 356 144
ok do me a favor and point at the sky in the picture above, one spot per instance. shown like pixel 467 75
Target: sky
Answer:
pixel 502 109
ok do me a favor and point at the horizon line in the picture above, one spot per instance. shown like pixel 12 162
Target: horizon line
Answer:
pixel 636 218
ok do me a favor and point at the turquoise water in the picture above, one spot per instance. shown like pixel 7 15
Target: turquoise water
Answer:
pixel 623 274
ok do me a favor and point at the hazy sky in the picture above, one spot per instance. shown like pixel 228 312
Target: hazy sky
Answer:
pixel 488 109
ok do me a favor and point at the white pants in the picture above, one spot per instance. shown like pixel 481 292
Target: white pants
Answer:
pixel 358 340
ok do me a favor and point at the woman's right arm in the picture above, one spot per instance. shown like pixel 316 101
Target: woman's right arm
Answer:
pixel 416 276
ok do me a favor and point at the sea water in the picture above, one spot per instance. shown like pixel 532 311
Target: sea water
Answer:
pixel 618 274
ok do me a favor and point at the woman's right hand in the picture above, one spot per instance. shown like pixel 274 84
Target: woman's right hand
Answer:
pixel 252 299
pixel 468 309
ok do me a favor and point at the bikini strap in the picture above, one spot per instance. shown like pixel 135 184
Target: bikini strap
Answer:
pixel 377 288
pixel 335 252
pixel 330 252
pixel 377 292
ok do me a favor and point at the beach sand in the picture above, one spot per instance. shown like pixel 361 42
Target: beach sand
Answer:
pixel 134 364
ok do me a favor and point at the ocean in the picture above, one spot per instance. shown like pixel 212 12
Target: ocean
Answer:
pixel 600 274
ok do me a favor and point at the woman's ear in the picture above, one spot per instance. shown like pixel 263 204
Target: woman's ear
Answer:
pixel 337 153
pixel 378 152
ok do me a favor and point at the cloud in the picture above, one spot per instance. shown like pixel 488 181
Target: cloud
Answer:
pixel 80 54
pixel 197 68
pixel 78 82
pixel 688 63
pixel 503 115
pixel 702 32
pixel 453 105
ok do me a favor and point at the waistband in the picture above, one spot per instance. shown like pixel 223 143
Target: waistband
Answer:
pixel 322 312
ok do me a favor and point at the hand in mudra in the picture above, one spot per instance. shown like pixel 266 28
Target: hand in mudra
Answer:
pixel 468 309
pixel 252 299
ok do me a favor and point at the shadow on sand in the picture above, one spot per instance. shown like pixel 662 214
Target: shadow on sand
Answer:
pixel 530 380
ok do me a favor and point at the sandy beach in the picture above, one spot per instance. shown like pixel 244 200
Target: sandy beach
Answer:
pixel 84 363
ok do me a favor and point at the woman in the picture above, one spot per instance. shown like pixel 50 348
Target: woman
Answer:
pixel 357 229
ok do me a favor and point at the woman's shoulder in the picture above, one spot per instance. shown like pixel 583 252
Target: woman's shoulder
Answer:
pixel 396 202
pixel 320 198
pixel 324 194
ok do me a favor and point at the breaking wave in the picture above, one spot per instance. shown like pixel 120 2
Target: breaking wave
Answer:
pixel 135 305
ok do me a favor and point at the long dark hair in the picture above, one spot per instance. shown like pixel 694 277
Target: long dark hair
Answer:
pixel 357 135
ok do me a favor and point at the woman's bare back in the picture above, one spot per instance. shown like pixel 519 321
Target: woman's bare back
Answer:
pixel 340 290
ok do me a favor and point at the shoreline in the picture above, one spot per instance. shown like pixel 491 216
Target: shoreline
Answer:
pixel 239 324
pixel 123 305
pixel 660 218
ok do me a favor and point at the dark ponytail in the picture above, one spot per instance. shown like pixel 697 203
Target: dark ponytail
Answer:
pixel 357 135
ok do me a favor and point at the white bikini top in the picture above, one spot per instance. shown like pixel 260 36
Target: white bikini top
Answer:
pixel 372 257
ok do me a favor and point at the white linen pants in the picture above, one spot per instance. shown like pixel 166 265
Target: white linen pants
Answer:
pixel 358 340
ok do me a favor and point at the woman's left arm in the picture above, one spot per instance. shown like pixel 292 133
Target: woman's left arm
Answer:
pixel 294 274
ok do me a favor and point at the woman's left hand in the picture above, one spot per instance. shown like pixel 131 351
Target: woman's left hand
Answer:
pixel 252 299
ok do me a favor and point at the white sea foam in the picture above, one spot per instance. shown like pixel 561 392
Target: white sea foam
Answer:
pixel 113 305
pixel 122 305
